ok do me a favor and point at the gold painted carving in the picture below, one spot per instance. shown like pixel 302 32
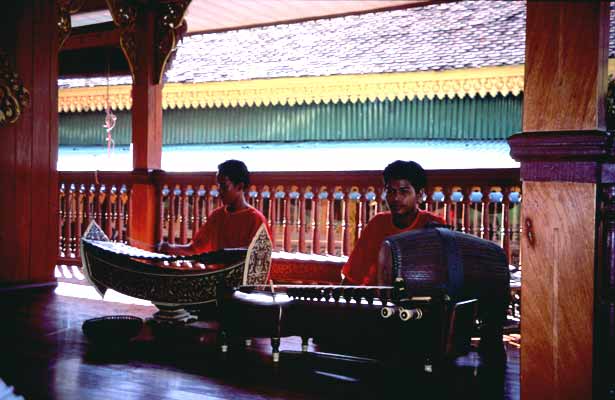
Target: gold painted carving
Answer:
pixel 65 9
pixel 13 95
pixel 170 27
pixel 308 90
pixel 124 15
pixel 94 98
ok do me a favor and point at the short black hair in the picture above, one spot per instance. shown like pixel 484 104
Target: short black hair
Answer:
pixel 236 171
pixel 409 170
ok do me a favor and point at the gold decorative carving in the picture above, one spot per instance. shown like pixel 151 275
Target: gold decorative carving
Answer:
pixel 13 95
pixel 170 27
pixel 94 98
pixel 124 15
pixel 292 91
pixel 65 9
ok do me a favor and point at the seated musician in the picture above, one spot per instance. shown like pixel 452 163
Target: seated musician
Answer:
pixel 404 182
pixel 232 225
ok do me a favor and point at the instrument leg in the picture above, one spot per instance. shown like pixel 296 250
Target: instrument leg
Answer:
pixel 275 349
pixel 222 338
pixel 304 343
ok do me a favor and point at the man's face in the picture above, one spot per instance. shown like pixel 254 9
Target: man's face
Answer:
pixel 401 196
pixel 229 192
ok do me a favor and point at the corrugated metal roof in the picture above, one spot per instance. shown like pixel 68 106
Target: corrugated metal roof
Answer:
pixel 479 118
pixel 306 156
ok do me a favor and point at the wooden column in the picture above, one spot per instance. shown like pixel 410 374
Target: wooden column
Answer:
pixel 148 35
pixel 146 130
pixel 29 146
pixel 561 150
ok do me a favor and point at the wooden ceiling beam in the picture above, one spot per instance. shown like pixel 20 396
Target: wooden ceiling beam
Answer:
pixel 93 38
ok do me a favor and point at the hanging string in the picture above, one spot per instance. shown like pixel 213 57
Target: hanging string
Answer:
pixel 110 118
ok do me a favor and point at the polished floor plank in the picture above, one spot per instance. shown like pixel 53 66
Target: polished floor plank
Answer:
pixel 44 355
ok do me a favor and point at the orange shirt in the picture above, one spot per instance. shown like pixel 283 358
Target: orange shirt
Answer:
pixel 362 266
pixel 225 229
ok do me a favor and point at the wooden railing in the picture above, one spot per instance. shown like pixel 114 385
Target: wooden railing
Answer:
pixel 309 212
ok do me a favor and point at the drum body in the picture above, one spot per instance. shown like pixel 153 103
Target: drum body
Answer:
pixel 462 266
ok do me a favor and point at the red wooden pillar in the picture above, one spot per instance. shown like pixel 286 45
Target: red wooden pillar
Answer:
pixel 561 151
pixel 148 34
pixel 28 151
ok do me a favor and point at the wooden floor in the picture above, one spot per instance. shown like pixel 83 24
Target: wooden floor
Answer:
pixel 44 355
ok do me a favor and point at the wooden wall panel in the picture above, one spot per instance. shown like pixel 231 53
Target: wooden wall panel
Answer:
pixel 565 66
pixel 29 151
pixel 558 286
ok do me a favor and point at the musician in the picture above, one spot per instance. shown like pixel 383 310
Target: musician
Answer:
pixel 404 182
pixel 232 225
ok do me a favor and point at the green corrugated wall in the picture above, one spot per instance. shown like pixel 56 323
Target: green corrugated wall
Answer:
pixel 478 118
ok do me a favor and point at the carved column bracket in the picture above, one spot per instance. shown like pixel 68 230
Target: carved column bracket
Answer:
pixel 125 13
pixel 14 97
pixel 65 9
pixel 568 156
pixel 170 27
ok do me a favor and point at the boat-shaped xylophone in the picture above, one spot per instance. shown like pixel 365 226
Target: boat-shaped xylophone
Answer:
pixel 171 283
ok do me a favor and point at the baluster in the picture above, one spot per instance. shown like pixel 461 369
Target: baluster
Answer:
pixel 115 213
pixel 487 219
pixel 309 217
pixel 363 206
pixel 331 226
pixel 184 216
pixel 371 198
pixel 195 215
pixel 165 206
pixel 122 214
pixel 128 213
pixel 68 216
pixel 438 200
pixel 475 211
pixel 465 213
pixel 201 210
pixel 506 224
pixel 455 202
pixel 294 223
pixel 266 209
pixel 109 213
pixel 90 200
pixel 287 222
pixel 301 224
pixel 99 201
pixel 316 240
pixel 382 203
pixel 351 219
pixel 515 225
pixel 79 217
pixel 172 213
pixel 495 199
pixel 62 218
pixel 279 221
pixel 253 197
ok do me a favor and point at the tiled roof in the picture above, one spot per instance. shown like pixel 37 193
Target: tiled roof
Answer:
pixel 444 36
pixel 465 34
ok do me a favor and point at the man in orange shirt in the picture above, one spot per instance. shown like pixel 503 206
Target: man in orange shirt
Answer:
pixel 404 182
pixel 232 225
